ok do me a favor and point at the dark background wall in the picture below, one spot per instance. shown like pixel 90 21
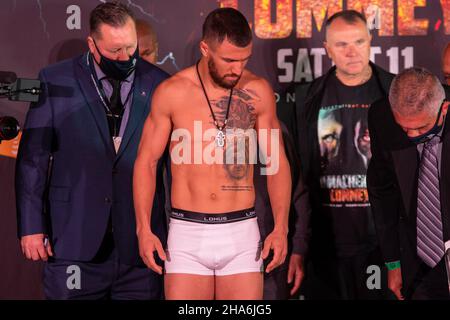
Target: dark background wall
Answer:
pixel 287 47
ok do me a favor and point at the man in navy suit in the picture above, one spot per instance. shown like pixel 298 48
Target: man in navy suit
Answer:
pixel 75 162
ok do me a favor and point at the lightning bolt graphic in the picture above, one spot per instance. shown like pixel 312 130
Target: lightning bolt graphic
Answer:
pixel 170 57
pixel 141 9
pixel 41 17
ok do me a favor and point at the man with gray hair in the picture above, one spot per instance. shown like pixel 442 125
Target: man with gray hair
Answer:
pixel 409 186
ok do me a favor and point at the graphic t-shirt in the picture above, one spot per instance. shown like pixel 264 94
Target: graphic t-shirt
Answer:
pixel 344 142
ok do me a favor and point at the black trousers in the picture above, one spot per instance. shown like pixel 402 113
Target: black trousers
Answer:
pixel 431 283
pixel 275 283
pixel 105 277
pixel 346 278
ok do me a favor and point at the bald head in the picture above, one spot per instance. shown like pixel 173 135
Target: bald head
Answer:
pixel 446 63
pixel 346 17
pixel 147 41
pixel 348 45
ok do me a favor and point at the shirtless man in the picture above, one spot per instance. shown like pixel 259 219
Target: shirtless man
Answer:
pixel 214 246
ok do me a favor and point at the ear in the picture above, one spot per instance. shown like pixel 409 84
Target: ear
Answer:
pixel 445 107
pixel 204 48
pixel 91 45
pixel 325 45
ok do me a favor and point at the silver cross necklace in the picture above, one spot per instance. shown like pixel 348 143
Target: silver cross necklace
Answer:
pixel 220 136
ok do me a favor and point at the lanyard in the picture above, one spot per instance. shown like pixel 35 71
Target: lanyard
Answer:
pixel 99 88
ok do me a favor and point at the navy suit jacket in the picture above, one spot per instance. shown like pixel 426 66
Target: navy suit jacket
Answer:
pixel 69 178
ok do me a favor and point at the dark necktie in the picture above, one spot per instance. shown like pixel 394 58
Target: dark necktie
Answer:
pixel 116 107
pixel 430 244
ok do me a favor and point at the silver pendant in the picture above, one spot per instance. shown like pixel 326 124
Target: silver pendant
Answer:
pixel 220 139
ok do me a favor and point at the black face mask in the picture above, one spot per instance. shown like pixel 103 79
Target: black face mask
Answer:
pixel 424 137
pixel 116 69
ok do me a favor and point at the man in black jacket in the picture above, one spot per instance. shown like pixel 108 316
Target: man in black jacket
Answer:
pixel 333 143
pixel 285 281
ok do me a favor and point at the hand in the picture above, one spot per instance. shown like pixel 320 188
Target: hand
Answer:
pixel 34 248
pixel 277 241
pixel 395 283
pixel 296 272
pixel 148 243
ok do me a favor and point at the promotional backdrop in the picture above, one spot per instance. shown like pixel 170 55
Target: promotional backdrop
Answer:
pixel 288 37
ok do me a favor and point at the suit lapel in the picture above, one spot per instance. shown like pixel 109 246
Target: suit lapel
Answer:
pixel 445 180
pixel 138 107
pixel 404 155
pixel 83 74
pixel 406 163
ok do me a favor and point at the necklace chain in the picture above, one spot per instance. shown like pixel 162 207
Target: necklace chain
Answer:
pixel 220 128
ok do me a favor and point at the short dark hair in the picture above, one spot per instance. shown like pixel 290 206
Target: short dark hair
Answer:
pixel 349 16
pixel 114 14
pixel 227 23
